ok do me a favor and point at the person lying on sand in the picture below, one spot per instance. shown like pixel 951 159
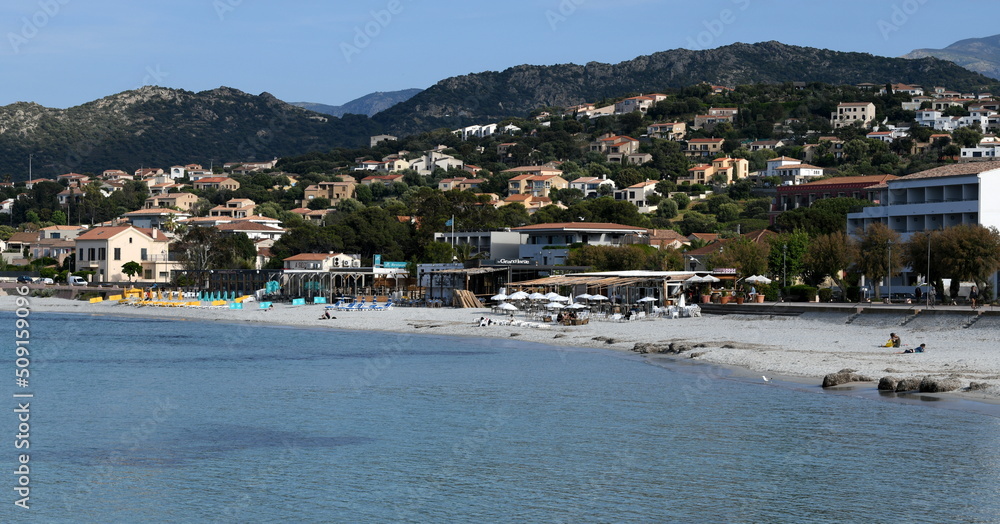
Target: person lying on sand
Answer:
pixel 918 349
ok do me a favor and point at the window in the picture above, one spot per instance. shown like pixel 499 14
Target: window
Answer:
pixel 102 253
pixel 91 254
pixel 80 255
pixel 142 254
pixel 118 253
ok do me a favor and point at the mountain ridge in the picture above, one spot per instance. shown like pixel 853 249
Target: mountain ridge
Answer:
pixel 517 90
pixel 981 55
pixel 368 105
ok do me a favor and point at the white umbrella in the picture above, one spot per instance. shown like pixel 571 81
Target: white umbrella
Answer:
pixel 507 307
pixel 758 279
pixel 551 295
pixel 501 296
pixel 680 301
pixel 584 296
pixel 598 297
pixel 518 295
pixel 576 306
pixel 709 278
pixel 648 299
pixel 537 296
pixel 695 280
pixel 555 305
pixel 559 298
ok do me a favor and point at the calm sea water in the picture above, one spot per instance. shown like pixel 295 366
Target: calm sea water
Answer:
pixel 166 421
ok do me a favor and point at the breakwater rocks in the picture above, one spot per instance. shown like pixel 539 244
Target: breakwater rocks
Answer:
pixel 670 348
pixel 844 376
pixel 924 384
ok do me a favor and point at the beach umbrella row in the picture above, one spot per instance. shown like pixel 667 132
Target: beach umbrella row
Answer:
pixel 758 279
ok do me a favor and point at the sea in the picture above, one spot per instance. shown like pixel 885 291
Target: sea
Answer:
pixel 139 420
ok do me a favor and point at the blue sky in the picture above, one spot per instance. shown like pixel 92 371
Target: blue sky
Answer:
pixel 61 53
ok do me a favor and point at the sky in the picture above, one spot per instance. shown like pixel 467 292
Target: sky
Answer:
pixel 61 53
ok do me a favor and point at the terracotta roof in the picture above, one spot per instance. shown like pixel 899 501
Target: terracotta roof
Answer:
pixel 872 179
pixel 971 168
pixel 213 180
pixel 154 211
pixel 24 237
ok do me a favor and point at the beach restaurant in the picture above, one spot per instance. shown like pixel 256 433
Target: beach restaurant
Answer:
pixel 619 287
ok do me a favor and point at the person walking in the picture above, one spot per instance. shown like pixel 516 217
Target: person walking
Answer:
pixel 973 296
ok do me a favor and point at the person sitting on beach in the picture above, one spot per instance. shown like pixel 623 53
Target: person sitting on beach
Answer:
pixel 326 315
pixel 894 341
pixel 482 321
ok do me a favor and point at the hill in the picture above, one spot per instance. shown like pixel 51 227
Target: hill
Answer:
pixel 160 127
pixel 981 55
pixel 369 104
pixel 516 91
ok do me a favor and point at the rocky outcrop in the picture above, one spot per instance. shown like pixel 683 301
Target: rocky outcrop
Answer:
pixel 908 384
pixel 670 348
pixel 887 383
pixel 939 385
pixel 845 376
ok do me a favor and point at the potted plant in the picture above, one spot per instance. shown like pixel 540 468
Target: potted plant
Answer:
pixel 741 297
pixel 726 297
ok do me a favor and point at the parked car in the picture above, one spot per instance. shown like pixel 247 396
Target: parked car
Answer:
pixel 24 279
pixel 76 281
pixel 47 281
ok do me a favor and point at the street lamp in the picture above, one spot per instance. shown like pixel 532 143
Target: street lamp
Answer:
pixel 694 263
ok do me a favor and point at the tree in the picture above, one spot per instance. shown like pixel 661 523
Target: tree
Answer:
pixel 728 212
pixel 828 255
pixel 681 200
pixel 971 253
pixel 742 253
pixel 695 222
pixel 319 203
pixel 876 258
pixel 966 137
pixel 787 251
pixel 667 209
pixel 131 269
pixel 58 218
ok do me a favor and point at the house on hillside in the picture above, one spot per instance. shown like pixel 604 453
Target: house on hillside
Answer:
pixel 104 250
pixel 218 183
pixel 849 113
pixel 703 147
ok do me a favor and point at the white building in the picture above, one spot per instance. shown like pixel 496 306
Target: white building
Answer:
pixel 935 199
pixel 590 185
pixel 938 198
pixel 548 244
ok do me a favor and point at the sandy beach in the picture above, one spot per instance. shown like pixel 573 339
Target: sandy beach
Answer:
pixel 805 347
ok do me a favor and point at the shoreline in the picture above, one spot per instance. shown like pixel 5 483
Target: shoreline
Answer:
pixel 785 347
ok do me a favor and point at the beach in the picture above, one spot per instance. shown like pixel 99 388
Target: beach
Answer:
pixel 803 348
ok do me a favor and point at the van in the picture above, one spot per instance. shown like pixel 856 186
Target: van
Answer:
pixel 76 281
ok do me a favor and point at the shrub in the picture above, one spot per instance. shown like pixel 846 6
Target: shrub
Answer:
pixel 825 295
pixel 801 293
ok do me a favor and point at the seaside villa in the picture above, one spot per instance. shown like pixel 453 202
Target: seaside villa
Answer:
pixel 934 199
